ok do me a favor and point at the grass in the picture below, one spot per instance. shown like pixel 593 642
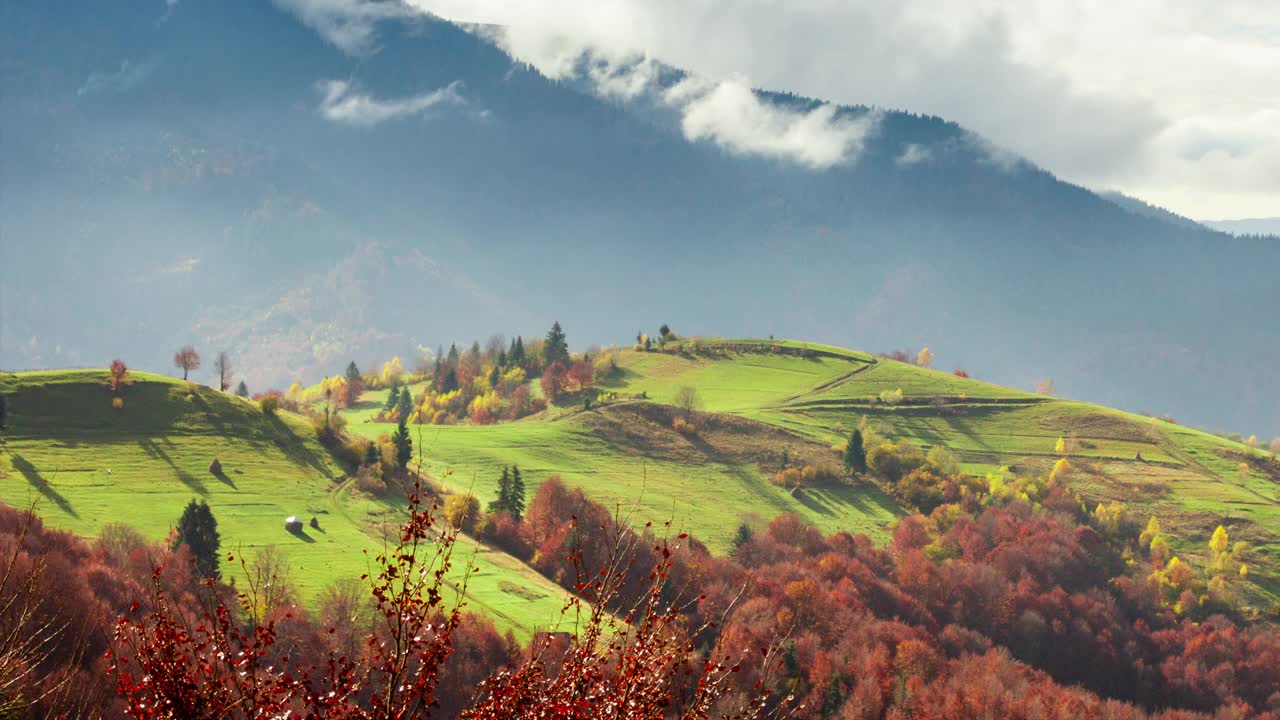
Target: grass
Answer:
pixel 758 397
pixel 709 498
pixel 87 464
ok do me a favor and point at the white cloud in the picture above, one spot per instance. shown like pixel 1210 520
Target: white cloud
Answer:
pixel 1163 100
pixel 730 114
pixel 351 25
pixel 626 80
pixel 343 103
pixel 913 154
pixel 181 266
pixel 129 76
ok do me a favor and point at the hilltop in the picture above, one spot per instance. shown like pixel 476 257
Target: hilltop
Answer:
pixel 86 464
pixel 759 398
pixel 761 405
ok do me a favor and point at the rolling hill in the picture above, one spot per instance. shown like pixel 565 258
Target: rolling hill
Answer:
pixel 89 464
pixel 193 179
pixel 759 397
pixel 86 464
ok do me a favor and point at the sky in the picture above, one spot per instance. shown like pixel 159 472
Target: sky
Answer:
pixel 1176 102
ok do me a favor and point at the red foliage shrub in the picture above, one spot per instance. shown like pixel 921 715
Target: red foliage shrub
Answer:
pixel 553 381
pixel 582 374
pixel 505 532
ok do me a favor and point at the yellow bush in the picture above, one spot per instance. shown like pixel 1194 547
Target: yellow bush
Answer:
pixel 684 427
pixel 462 511
pixel 1061 470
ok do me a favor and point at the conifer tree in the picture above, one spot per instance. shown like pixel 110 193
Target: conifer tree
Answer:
pixel 740 538
pixel 404 445
pixel 404 405
pixel 198 530
pixel 450 382
pixel 855 455
pixel 3 412
pixel 556 348
pixel 517 352
pixel 502 358
pixel 393 395
pixel 371 454
pixel 452 358
pixel 503 503
pixel 515 502
pixel 355 384
pixel 242 390
pixel 494 377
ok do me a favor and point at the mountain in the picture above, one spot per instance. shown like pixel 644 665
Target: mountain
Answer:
pixel 1251 226
pixel 1139 207
pixel 156 193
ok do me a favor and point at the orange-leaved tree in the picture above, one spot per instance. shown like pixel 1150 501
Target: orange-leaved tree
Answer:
pixel 639 663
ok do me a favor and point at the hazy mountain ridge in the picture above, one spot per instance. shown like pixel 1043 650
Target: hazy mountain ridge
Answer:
pixel 1247 226
pixel 209 195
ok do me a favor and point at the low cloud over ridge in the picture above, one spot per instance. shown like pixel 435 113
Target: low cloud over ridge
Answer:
pixel 344 103
pixel 1109 96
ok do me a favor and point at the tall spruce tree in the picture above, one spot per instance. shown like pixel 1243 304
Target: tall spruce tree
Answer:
pixel 503 503
pixel 371 454
pixel 556 348
pixel 393 395
pixel 242 390
pixel 4 412
pixel 450 382
pixel 403 443
pixel 515 504
pixel 404 405
pixel 743 536
pixel 198 530
pixel 518 357
pixel 855 455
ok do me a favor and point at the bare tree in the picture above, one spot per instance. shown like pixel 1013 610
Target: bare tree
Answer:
pixel 495 345
pixel 270 587
pixel 222 366
pixel 188 359
pixel 686 398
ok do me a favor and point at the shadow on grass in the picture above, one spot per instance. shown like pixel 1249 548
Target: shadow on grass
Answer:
pixel 295 448
pixel 38 481
pixel 222 476
pixel 616 379
pixel 812 501
pixel 153 449
pixel 302 535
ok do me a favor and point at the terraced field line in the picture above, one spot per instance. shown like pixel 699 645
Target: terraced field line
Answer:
pixel 824 386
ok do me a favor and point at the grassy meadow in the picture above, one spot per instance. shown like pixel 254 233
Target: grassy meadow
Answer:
pixel 757 398
pixel 85 464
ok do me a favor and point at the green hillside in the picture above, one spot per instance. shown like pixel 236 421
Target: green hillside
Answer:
pixel 87 464
pixel 768 395
pixel 759 399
